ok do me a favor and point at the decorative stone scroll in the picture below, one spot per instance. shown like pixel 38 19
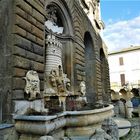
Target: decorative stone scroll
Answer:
pixel 32 86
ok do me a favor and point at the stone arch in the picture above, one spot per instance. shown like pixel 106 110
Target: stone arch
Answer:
pixel 90 68
pixel 62 11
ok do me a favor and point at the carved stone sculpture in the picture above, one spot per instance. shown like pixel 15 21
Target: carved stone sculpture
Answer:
pixel 56 81
pixel 83 92
pixel 32 84
pixel 83 88
pixel 53 19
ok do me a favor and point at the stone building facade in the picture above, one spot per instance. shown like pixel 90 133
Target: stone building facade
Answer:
pixel 126 73
pixel 25 25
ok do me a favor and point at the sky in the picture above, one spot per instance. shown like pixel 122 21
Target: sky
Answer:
pixel 122 23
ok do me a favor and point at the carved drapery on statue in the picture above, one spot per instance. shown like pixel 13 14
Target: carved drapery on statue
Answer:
pixel 56 82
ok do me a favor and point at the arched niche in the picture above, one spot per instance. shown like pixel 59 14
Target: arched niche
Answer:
pixel 58 13
pixel 90 68
pixel 59 23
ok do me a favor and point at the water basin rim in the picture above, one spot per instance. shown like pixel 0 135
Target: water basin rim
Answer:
pixel 66 113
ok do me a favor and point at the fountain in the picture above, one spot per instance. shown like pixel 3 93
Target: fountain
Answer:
pixel 56 82
pixel 60 123
pixel 54 68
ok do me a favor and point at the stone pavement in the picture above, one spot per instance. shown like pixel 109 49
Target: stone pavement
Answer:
pixel 134 134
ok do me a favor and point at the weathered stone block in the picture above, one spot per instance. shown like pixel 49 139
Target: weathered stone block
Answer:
pixel 22 107
pixel 28 45
pixel 22 42
pixel 40 41
pixel 18 83
pixel 40 25
pixel 22 62
pixel 23 23
pixel 19 11
pixel 36 6
pixel 39 33
pixel 38 49
pixel 23 5
pixel 31 37
pixel 19 72
pixel 19 30
pixel 18 94
pixel 39 16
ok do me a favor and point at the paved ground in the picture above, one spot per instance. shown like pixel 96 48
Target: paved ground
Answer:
pixel 134 134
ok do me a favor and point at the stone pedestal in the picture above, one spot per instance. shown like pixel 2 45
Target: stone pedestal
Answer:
pixel 22 107
pixel 76 123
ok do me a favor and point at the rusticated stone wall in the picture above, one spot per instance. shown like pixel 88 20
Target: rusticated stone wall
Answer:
pixel 81 26
pixel 22 48
pixel 28 45
pixel 5 58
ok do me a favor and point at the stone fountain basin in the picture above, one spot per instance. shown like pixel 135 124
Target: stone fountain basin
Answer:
pixel 76 123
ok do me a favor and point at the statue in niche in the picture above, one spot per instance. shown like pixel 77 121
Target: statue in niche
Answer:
pixel 83 92
pixel 51 14
pixel 32 84
pixel 54 22
pixel 83 88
